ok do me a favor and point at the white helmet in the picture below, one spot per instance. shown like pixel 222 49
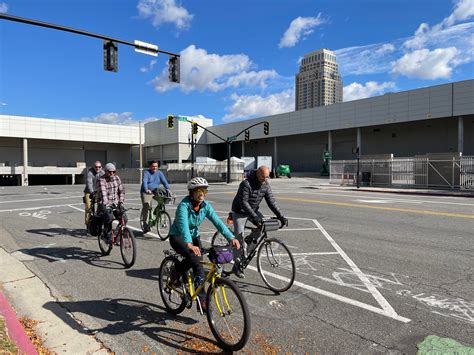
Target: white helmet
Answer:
pixel 196 182
pixel 109 167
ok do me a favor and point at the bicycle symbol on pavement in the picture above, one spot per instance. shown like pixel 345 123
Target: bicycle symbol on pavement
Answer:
pixel 40 214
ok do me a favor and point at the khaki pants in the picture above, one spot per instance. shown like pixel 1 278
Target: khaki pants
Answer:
pixel 88 211
pixel 146 205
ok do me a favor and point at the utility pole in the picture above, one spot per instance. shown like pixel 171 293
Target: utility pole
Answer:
pixel 141 150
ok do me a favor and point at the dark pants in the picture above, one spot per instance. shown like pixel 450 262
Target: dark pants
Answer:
pixel 108 216
pixel 190 260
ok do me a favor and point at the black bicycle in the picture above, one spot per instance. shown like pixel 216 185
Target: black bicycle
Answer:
pixel 121 236
pixel 275 263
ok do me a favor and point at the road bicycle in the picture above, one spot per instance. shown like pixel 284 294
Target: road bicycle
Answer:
pixel 158 216
pixel 275 262
pixel 226 309
pixel 120 236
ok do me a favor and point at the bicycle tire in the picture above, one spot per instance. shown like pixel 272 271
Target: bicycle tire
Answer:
pixel 127 241
pixel 105 248
pixel 163 225
pixel 219 240
pixel 177 305
pixel 225 295
pixel 276 265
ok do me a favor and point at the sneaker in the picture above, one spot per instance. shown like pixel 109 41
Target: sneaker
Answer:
pixel 238 272
pixel 146 228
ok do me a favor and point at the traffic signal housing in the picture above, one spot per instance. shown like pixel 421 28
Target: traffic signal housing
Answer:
pixel 170 121
pixel 173 69
pixel 266 128
pixel 110 56
pixel 247 136
pixel 195 127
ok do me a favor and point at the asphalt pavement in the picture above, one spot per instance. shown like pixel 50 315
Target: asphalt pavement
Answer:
pixel 376 272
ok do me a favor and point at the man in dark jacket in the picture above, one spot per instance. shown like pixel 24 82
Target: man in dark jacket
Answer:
pixel 93 174
pixel 247 202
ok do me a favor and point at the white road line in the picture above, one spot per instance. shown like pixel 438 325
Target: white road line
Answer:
pixel 339 297
pixel 320 253
pixel 42 199
pixel 131 227
pixel 365 280
pixel 38 208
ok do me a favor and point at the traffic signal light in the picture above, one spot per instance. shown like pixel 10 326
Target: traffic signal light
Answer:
pixel 195 128
pixel 170 121
pixel 247 136
pixel 110 56
pixel 173 69
pixel 266 128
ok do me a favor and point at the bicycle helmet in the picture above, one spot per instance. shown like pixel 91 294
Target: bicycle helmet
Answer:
pixel 109 167
pixel 196 182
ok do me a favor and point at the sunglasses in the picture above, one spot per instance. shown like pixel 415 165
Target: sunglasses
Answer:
pixel 98 167
pixel 112 172
pixel 203 191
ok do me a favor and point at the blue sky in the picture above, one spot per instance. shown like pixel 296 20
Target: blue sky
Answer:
pixel 238 58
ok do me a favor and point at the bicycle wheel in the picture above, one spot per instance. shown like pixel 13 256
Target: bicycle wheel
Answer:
pixel 163 225
pixel 228 315
pixel 128 247
pixel 104 246
pixel 276 265
pixel 173 297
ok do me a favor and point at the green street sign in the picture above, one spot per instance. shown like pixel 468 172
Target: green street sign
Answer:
pixel 182 119
pixel 232 138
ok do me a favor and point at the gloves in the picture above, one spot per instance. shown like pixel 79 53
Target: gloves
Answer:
pixel 91 196
pixel 257 221
pixel 283 221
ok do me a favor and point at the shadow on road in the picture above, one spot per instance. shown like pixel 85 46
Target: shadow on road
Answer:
pixel 73 253
pixel 128 315
pixel 53 232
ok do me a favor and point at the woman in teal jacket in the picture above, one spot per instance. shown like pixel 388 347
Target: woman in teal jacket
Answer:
pixel 184 233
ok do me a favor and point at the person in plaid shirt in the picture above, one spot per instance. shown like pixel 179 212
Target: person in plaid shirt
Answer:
pixel 111 194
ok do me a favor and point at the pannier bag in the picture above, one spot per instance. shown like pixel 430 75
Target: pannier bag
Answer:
pixel 95 226
pixel 221 255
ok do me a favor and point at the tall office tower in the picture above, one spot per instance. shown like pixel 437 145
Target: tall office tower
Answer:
pixel 318 83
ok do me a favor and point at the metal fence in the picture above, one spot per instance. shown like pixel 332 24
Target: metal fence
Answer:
pixel 455 173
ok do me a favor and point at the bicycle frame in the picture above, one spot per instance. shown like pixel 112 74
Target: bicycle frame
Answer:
pixel 248 258
pixel 155 213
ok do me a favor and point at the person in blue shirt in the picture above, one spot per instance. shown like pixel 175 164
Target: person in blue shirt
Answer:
pixel 152 179
pixel 184 233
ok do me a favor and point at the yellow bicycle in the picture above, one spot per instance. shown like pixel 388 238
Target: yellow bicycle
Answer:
pixel 226 309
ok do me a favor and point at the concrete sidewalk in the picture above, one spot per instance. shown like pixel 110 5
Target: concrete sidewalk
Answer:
pixel 27 294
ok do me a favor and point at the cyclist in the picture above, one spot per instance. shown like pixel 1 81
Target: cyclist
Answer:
pixel 184 233
pixel 152 179
pixel 110 193
pixel 247 202
pixel 92 175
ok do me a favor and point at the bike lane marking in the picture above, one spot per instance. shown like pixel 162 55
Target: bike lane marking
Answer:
pixel 39 207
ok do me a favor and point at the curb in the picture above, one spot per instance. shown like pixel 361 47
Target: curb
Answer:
pixel 419 193
pixel 15 329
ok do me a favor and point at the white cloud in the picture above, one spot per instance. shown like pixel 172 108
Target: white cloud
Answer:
pixel 384 49
pixel 356 91
pixel 299 28
pixel 3 104
pixel 426 64
pixel 150 66
pixel 165 11
pixel 202 71
pixel 247 106
pixel 463 10
pixel 3 7
pixel 124 118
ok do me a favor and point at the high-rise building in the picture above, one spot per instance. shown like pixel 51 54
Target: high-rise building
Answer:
pixel 318 83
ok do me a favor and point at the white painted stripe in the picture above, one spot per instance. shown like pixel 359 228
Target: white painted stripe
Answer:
pixel 43 199
pixel 320 253
pixel 38 208
pixel 339 297
pixel 297 229
pixel 365 280
pixel 129 226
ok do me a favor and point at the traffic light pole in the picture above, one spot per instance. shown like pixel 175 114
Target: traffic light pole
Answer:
pixel 137 46
pixel 227 141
